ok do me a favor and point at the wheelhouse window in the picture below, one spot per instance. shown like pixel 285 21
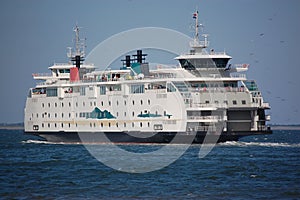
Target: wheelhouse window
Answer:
pixel 63 71
pixel 193 64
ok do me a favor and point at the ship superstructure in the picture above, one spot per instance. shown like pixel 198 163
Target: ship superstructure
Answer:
pixel 136 103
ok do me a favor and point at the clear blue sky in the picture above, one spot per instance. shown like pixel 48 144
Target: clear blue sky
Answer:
pixel 265 34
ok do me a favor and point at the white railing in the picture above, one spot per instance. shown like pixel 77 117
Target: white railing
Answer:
pixel 219 89
pixel 238 75
pixel 62 64
pixel 205 117
pixel 42 75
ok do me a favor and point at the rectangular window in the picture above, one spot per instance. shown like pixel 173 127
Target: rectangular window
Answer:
pixel 102 89
pixel 51 92
pixel 170 88
pixel 82 91
pixel 158 127
pixel 234 102
pixel 134 89
pixel 243 102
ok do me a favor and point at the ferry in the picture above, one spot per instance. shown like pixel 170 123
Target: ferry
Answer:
pixel 203 99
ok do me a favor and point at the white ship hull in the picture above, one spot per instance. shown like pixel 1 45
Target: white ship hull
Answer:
pixel 203 98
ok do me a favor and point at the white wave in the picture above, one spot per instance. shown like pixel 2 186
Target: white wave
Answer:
pixel 45 142
pixel 262 144
pixel 99 143
pixel 228 143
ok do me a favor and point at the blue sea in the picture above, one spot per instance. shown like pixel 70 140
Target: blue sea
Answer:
pixel 256 167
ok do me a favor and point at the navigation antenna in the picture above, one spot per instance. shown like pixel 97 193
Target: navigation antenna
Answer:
pixel 78 55
pixel 198 45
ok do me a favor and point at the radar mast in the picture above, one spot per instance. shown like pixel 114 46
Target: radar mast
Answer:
pixel 78 55
pixel 196 44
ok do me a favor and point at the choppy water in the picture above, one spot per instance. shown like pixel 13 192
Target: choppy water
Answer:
pixel 257 167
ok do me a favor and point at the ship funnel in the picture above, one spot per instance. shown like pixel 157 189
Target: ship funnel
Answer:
pixel 139 57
